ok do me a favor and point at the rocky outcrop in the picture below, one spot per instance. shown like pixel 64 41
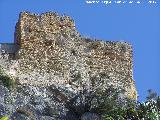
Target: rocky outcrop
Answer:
pixel 30 103
pixel 54 65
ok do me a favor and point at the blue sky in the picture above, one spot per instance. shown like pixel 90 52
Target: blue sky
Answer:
pixel 138 24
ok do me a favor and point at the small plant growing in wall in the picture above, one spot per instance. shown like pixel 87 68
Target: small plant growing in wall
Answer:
pixel 6 80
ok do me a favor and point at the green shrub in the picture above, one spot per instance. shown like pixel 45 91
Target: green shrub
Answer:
pixel 134 110
pixel 6 80
pixel 109 106
pixel 99 102
pixel 109 118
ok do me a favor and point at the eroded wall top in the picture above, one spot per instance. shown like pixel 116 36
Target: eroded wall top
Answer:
pixel 49 44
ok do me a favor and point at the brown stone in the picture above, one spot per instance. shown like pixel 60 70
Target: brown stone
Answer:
pixel 49 43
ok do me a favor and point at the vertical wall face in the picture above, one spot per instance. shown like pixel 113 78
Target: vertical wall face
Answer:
pixel 31 28
pixel 50 45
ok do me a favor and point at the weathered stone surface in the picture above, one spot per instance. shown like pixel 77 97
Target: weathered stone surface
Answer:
pixel 30 102
pixel 53 52
pixel 4 93
pixel 2 110
pixel 54 63
pixel 90 116
pixel 19 116
pixel 47 118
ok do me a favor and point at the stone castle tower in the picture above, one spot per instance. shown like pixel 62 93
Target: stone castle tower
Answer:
pixel 52 51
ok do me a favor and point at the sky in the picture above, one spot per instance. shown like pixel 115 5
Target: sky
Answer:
pixel 138 24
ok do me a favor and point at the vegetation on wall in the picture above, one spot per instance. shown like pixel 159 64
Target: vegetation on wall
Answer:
pixel 108 105
pixel 6 80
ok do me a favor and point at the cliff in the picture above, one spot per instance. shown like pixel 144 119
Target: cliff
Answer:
pixel 51 72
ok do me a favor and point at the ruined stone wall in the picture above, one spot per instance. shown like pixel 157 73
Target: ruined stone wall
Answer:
pixel 51 50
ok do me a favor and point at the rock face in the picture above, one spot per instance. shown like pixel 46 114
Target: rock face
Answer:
pixel 30 103
pixel 52 51
pixel 56 70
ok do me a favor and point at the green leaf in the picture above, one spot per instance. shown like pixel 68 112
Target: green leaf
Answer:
pixel 4 118
pixel 109 118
